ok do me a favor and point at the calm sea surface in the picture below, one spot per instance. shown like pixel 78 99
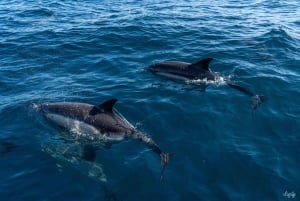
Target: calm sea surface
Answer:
pixel 90 51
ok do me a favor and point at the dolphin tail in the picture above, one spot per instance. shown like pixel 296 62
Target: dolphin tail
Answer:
pixel 257 100
pixel 165 157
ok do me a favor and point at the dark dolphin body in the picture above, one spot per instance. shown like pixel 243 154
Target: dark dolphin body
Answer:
pixel 98 122
pixel 185 71
pixel 198 71
pixel 6 146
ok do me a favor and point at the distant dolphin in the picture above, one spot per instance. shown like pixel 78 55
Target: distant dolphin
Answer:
pixel 197 71
pixel 98 122
pixel 6 146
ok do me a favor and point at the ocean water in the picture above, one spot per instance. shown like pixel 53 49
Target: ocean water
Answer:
pixel 90 51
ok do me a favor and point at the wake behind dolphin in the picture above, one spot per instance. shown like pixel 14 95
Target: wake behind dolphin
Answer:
pixel 98 122
pixel 196 72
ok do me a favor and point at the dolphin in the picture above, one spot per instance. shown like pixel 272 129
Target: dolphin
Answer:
pixel 198 71
pixel 6 146
pixel 98 122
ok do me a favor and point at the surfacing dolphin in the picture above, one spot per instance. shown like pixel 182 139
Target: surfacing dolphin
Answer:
pixel 198 71
pixel 98 122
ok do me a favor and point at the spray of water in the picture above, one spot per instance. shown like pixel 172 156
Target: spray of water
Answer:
pixel 219 81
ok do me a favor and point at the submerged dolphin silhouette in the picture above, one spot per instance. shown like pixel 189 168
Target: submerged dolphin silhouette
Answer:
pixel 198 71
pixel 98 122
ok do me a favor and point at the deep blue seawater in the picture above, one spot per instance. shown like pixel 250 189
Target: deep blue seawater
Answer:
pixel 90 51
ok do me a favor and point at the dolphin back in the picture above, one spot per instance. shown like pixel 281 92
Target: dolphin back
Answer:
pixel 184 71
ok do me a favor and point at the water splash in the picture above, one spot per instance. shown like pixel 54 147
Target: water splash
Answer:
pixel 220 81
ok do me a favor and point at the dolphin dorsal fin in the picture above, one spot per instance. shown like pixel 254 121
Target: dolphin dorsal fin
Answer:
pixel 108 105
pixel 204 63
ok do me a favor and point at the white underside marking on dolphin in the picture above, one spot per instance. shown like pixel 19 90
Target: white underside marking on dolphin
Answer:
pixel 82 128
pixel 218 81
pixel 172 76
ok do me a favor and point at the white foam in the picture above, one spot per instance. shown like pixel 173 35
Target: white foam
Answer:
pixel 218 82
pixel 35 106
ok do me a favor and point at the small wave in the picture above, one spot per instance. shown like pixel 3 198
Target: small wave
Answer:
pixel 278 38
pixel 42 12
